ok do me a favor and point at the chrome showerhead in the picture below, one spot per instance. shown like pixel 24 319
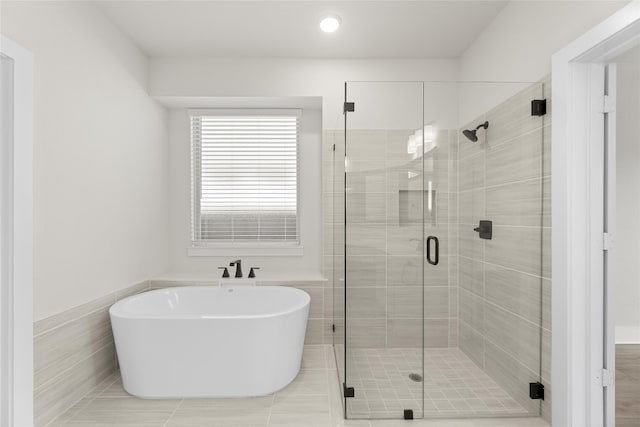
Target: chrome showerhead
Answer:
pixel 472 134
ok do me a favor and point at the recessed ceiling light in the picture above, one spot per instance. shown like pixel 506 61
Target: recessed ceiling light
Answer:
pixel 330 24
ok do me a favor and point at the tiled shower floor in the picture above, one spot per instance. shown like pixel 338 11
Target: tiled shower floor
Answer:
pixel 312 399
pixel 454 386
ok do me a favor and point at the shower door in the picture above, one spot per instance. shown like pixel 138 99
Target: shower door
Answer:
pixel 437 314
pixel 384 199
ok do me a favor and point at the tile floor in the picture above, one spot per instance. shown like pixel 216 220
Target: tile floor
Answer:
pixel 312 399
pixel 454 386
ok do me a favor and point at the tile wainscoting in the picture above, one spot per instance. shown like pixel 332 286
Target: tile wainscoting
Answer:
pixel 74 350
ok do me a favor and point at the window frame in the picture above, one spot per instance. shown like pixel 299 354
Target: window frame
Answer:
pixel 247 248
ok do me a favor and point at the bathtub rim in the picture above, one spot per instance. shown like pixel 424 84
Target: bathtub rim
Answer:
pixel 115 310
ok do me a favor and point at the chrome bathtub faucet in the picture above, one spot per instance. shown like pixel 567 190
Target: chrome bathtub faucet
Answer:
pixel 238 265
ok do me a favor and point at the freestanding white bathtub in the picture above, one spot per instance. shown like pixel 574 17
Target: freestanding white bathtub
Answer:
pixel 210 341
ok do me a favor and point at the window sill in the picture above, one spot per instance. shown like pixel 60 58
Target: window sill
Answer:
pixel 245 251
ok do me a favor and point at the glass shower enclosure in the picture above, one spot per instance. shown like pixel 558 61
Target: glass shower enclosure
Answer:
pixel 439 231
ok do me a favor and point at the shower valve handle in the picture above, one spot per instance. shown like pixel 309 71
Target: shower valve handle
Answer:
pixel 484 229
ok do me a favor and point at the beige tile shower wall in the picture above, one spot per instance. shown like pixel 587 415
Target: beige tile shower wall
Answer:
pixel 504 283
pixel 384 239
pixel 73 352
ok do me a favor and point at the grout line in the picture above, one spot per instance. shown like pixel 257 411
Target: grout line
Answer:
pixel 503 267
pixel 485 338
pixel 517 136
pixel 273 401
pixel 541 314
pixel 51 380
pixel 94 337
pixel 112 294
pixel 504 184
pixel 532 227
pixel 90 400
pixel 117 377
pixel 513 313
pixel 174 412
pixel 518 361
pixel 450 172
pixel 58 326
pixel 483 247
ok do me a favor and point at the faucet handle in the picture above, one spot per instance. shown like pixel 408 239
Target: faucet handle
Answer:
pixel 225 273
pixel 252 274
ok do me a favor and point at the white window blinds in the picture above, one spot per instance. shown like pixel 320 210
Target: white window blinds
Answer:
pixel 244 176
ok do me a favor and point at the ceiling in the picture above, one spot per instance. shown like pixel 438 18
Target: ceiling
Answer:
pixel 290 29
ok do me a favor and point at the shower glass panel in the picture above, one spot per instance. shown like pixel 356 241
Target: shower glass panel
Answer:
pixel 384 191
pixel 441 241
pixel 498 253
pixel 335 232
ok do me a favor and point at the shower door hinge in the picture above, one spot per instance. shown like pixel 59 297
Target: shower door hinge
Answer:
pixel 349 107
pixel 607 241
pixel 538 107
pixel 333 327
pixel 334 147
pixel 607 378
pixel 608 104
pixel 536 391
pixel 348 391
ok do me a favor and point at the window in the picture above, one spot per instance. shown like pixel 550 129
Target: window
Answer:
pixel 244 170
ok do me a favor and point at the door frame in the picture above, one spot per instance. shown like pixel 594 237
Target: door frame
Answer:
pixel 17 308
pixel 609 254
pixel 578 136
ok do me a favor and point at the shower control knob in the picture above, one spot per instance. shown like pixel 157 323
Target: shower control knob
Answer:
pixel 485 229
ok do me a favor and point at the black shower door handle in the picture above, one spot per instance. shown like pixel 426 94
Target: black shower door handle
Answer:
pixel 437 252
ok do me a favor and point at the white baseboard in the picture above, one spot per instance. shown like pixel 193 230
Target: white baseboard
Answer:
pixel 627 334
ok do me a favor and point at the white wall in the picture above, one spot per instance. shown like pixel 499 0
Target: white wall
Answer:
pixel 172 78
pixel 101 208
pixel 306 267
pixel 288 77
pixel 518 44
pixel 627 270
pixel 100 156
